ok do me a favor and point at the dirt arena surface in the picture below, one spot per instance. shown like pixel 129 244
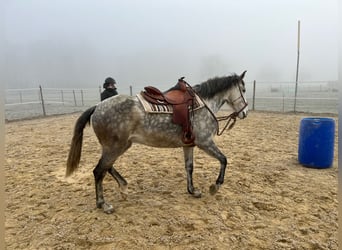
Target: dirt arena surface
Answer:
pixel 268 200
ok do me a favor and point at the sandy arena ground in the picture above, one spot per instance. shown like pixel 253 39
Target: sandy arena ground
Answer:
pixel 268 200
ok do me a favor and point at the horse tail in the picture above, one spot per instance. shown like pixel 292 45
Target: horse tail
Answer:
pixel 76 142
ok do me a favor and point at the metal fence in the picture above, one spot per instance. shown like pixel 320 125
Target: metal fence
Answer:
pixel 315 97
pixel 36 102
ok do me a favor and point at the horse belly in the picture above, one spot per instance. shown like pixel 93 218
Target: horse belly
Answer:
pixel 160 141
pixel 157 130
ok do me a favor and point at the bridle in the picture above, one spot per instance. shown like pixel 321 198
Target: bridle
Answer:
pixel 229 118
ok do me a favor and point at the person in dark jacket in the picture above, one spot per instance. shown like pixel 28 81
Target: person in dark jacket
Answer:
pixel 109 88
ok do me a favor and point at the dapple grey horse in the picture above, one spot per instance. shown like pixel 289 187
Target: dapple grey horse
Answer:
pixel 120 121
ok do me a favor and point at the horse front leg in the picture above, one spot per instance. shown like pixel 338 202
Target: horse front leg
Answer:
pixel 212 150
pixel 189 166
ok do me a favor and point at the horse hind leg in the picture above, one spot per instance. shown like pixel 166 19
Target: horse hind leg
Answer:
pixel 99 174
pixel 106 165
pixel 116 175
pixel 121 182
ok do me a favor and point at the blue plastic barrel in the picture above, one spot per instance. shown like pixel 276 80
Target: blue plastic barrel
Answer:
pixel 316 142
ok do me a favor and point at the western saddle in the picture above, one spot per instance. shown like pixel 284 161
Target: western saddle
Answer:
pixel 181 98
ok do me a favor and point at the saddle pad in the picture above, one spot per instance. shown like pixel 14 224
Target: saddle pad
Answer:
pixel 159 108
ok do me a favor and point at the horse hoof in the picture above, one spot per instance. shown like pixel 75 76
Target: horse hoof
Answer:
pixel 124 196
pixel 197 193
pixel 213 189
pixel 107 208
pixel 124 193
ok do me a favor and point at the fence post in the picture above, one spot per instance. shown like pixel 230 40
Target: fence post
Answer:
pixel 73 91
pixel 131 90
pixel 42 99
pixel 21 97
pixel 62 95
pixel 253 104
pixel 82 97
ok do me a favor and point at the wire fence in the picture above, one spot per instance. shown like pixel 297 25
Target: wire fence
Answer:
pixel 314 97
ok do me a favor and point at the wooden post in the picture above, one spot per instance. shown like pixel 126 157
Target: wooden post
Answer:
pixel 42 99
pixel 253 104
pixel 298 47
pixel 73 91
pixel 82 97
pixel 62 95
pixel 131 90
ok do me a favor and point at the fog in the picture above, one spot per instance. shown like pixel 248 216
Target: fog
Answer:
pixel 79 43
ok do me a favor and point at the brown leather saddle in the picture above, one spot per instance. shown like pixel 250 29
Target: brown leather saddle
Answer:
pixel 181 97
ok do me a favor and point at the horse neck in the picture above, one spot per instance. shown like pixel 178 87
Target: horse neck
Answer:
pixel 214 103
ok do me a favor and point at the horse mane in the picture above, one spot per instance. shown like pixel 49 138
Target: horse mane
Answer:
pixel 211 87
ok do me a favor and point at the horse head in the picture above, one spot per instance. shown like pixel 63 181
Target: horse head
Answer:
pixel 236 97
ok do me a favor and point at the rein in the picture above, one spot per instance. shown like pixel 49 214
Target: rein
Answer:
pixel 229 118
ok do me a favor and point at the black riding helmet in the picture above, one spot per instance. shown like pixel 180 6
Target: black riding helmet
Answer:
pixel 108 81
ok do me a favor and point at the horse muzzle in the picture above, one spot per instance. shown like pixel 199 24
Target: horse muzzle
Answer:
pixel 243 114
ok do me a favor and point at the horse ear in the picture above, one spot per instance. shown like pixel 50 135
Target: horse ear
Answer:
pixel 243 74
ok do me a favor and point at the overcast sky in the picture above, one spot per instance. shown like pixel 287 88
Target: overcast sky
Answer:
pixel 78 43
